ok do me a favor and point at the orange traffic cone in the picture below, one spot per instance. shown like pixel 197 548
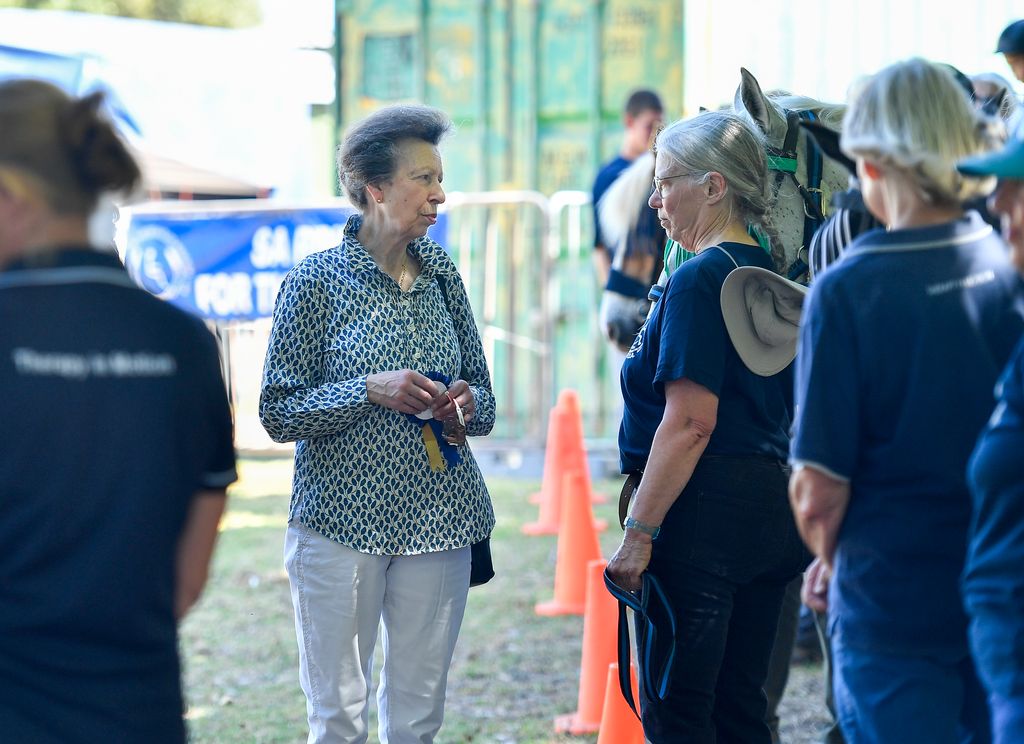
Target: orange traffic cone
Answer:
pixel 550 515
pixel 549 521
pixel 599 633
pixel 576 452
pixel 558 448
pixel 618 724
pixel 554 466
pixel 577 545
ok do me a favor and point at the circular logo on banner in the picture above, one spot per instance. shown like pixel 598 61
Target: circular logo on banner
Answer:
pixel 159 262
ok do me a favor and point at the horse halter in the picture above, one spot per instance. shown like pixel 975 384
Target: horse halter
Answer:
pixel 783 162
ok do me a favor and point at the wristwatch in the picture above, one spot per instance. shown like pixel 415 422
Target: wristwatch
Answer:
pixel 647 529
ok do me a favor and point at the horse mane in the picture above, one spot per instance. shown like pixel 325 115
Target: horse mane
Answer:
pixel 618 211
pixel 830 114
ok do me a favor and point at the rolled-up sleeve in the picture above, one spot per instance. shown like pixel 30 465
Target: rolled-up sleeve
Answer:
pixel 295 400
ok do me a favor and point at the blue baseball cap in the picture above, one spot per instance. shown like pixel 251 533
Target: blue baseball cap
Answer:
pixel 1005 163
pixel 1011 41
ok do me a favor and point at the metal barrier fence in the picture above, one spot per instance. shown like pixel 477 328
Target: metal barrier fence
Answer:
pixel 526 261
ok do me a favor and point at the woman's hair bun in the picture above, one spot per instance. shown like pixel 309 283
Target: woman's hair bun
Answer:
pixel 99 156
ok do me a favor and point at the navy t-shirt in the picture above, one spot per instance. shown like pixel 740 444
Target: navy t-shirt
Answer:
pixel 900 344
pixel 994 574
pixel 685 336
pixel 115 414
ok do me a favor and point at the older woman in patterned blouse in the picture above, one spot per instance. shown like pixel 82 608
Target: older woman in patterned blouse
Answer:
pixel 377 528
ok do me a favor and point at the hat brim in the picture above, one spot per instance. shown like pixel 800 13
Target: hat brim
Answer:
pixel 1005 163
pixel 760 358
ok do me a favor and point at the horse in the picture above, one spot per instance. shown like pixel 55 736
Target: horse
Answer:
pixel 624 302
pixel 803 182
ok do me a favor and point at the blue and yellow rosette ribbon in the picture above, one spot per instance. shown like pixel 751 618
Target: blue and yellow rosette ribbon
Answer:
pixel 440 454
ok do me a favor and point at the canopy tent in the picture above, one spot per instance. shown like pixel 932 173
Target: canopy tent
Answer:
pixel 167 178
pixel 231 103
pixel 163 176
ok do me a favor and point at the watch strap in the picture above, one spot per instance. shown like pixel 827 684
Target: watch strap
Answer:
pixel 647 529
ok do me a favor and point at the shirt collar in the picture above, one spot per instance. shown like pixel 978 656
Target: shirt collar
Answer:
pixel 65 265
pixel 63 257
pixel 433 257
pixel 968 229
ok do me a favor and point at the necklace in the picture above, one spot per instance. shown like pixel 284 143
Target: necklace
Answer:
pixel 401 277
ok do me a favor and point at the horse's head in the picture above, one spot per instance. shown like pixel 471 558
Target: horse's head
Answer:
pixel 802 178
pixel 751 102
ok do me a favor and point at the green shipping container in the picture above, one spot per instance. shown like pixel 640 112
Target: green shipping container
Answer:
pixel 535 87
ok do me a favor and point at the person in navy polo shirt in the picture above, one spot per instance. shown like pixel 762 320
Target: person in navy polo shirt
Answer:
pixel 900 345
pixel 993 577
pixel 117 447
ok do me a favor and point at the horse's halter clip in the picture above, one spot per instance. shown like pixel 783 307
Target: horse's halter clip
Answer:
pixel 783 161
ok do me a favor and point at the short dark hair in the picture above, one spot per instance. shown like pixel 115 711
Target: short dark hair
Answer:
pixel 369 152
pixel 643 100
pixel 65 143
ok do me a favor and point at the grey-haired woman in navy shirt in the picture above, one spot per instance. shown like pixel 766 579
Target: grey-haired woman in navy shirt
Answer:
pixel 710 437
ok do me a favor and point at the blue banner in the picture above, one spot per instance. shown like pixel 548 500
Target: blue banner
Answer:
pixel 229 265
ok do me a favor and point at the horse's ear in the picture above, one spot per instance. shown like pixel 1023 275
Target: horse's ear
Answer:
pixel 828 142
pixel 750 98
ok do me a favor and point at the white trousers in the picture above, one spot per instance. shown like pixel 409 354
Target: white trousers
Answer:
pixel 340 597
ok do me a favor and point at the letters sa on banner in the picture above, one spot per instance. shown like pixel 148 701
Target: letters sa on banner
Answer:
pixel 229 265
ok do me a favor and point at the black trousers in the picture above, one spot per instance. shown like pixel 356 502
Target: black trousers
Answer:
pixel 727 549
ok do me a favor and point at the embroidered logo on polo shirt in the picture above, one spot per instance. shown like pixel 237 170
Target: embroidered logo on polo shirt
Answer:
pixel 74 366
pixel 974 280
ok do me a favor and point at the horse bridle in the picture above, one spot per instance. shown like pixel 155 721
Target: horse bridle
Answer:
pixel 783 162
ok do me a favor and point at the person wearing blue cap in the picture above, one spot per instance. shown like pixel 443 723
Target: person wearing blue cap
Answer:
pixel 1011 46
pixel 993 583
pixel 900 343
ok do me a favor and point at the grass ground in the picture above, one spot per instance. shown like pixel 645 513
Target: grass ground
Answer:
pixel 513 671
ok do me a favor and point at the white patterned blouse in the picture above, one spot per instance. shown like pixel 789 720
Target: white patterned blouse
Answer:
pixel 362 476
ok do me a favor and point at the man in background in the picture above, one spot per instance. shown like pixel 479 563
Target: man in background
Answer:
pixel 1011 46
pixel 642 116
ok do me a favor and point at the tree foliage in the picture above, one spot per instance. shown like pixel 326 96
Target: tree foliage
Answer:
pixel 229 13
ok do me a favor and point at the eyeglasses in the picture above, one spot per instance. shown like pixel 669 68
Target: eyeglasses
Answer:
pixel 656 183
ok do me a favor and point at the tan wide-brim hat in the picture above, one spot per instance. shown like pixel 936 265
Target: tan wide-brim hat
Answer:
pixel 762 315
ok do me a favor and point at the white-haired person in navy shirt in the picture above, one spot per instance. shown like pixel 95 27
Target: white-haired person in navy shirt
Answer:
pixel 117 447
pixel 900 345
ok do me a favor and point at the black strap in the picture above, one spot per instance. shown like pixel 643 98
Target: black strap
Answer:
pixel 627 493
pixel 655 686
pixel 814 213
pixel 626 285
